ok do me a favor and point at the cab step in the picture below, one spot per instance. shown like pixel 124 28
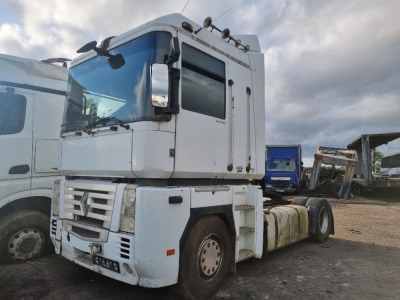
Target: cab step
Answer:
pixel 245 254
pixel 243 230
pixel 244 207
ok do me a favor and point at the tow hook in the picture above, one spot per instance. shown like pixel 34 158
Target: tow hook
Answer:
pixel 95 248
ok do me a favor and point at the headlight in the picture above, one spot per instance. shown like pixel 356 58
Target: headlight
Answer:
pixel 55 203
pixel 128 210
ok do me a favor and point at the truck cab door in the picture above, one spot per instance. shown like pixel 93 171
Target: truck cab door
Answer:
pixel 15 141
pixel 201 128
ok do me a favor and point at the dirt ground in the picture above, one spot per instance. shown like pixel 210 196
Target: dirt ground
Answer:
pixel 361 261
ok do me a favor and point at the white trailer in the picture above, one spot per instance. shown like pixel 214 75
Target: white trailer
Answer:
pixel 32 94
pixel 163 130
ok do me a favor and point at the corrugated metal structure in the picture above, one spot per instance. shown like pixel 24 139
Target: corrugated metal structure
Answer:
pixel 365 177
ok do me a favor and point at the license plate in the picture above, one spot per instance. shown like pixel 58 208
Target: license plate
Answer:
pixel 106 263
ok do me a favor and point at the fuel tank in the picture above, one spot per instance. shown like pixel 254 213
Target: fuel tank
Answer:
pixel 284 225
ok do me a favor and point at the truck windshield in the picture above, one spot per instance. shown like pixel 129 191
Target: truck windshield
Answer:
pixel 98 95
pixel 281 165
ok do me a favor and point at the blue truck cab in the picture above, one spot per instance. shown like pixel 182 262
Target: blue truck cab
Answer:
pixel 283 168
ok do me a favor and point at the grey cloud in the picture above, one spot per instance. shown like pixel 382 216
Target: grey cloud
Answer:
pixel 332 67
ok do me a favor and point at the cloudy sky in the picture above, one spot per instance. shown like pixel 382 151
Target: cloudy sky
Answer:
pixel 332 67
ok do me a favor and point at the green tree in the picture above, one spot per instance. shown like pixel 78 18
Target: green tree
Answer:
pixel 377 160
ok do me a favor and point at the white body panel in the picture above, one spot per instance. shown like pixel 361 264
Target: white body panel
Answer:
pixel 159 226
pixel 201 153
pixel 136 152
pixel 93 155
pixel 29 158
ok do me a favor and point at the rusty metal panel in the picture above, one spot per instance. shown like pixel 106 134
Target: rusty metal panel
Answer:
pixel 338 157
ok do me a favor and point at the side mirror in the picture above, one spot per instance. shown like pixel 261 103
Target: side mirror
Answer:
pixel 87 47
pixel 116 61
pixel 159 85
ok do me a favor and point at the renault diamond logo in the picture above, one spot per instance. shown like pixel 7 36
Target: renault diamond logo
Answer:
pixel 86 201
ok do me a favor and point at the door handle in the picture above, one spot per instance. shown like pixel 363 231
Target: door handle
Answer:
pixel 20 169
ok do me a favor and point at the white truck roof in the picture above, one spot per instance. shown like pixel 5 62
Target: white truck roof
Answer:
pixel 29 71
pixel 174 21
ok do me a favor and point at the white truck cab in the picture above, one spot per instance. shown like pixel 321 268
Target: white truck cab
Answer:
pixel 163 129
pixel 32 94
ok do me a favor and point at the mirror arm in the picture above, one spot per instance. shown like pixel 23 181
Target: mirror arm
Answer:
pixel 175 52
pixel 173 90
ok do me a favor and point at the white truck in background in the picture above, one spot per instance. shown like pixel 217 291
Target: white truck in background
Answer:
pixel 32 95
pixel 163 131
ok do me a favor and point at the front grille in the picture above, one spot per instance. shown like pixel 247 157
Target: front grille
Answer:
pixel 100 208
pixel 281 184
pixel 90 219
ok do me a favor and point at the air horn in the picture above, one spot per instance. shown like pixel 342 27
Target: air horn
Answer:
pixel 225 34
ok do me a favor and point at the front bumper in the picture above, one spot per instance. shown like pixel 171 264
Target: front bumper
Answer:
pixel 118 249
pixel 281 187
pixel 149 257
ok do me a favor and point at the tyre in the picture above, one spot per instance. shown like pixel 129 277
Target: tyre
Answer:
pixel 204 260
pixel 320 219
pixel 300 200
pixel 357 189
pixel 24 235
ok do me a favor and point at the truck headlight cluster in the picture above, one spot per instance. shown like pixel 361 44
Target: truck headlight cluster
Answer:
pixel 128 210
pixel 55 204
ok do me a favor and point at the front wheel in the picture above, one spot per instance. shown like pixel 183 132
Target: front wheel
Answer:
pixel 204 260
pixel 24 235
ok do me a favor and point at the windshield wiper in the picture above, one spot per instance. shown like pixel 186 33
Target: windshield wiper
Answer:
pixel 121 123
pixel 104 121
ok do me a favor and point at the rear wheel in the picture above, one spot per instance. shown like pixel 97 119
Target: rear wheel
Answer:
pixel 300 200
pixel 204 259
pixel 320 219
pixel 24 235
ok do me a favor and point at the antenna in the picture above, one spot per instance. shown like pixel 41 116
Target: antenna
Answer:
pixel 184 7
pixel 225 12
pixel 225 34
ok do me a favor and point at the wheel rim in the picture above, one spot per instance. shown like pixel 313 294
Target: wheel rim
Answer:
pixel 209 257
pixel 26 244
pixel 323 220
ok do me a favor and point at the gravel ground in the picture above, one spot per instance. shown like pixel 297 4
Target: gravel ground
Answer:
pixel 361 261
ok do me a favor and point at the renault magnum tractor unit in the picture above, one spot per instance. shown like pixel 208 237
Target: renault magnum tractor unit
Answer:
pixel 163 132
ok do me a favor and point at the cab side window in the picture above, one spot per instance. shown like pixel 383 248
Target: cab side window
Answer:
pixel 12 113
pixel 203 83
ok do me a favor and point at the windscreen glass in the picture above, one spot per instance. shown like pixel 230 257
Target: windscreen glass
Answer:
pixel 281 165
pixel 98 95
